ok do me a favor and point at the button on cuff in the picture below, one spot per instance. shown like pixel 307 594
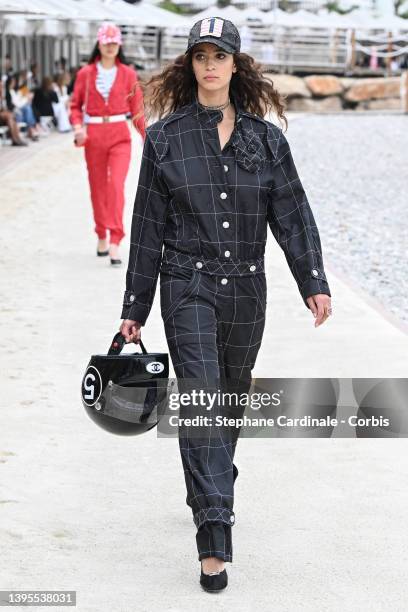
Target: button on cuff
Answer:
pixel 129 298
pixel 132 310
pixel 316 273
pixel 224 515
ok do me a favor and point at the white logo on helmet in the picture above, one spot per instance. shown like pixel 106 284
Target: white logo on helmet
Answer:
pixel 211 27
pixel 91 386
pixel 155 367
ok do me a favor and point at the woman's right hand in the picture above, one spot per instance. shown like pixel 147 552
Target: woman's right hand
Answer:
pixel 131 330
pixel 79 136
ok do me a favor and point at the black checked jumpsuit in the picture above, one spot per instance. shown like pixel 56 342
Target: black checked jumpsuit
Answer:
pixel 200 219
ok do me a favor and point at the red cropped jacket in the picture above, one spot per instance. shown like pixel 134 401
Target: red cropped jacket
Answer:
pixel 125 96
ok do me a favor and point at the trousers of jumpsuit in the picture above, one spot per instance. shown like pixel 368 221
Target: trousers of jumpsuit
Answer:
pixel 214 322
pixel 107 154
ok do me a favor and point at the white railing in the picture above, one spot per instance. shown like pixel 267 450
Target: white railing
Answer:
pixel 284 47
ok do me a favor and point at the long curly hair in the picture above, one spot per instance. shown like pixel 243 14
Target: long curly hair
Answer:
pixel 173 87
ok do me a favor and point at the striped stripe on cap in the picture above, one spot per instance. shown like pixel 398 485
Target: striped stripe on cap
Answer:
pixel 211 27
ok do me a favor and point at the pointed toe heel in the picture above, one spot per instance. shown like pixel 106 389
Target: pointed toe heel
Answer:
pixel 214 582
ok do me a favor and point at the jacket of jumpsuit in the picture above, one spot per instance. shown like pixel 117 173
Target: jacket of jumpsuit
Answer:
pixel 108 145
pixel 200 219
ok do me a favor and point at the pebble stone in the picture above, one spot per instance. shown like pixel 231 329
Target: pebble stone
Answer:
pixel 354 171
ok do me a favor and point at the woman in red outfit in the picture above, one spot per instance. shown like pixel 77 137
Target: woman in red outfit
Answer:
pixel 105 92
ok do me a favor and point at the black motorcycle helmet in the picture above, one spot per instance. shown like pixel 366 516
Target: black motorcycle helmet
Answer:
pixel 126 394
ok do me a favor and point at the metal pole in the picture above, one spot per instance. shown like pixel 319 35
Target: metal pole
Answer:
pixel 28 51
pixel 353 50
pixel 388 58
pixel 274 29
pixel 3 44
pixel 404 92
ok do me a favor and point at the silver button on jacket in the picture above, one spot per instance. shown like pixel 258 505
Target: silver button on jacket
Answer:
pixel 184 193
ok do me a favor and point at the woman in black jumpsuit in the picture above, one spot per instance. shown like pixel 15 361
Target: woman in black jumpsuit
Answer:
pixel 214 175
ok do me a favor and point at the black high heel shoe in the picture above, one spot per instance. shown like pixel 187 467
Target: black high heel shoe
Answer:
pixel 214 582
pixel 116 262
pixel 101 253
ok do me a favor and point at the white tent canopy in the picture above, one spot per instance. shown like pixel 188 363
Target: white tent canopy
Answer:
pixel 146 14
pixel 362 20
pixel 229 12
pixel 96 10
pixel 16 26
pixel 23 6
pixel 77 14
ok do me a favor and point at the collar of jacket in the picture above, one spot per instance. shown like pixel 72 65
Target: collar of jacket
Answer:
pixel 94 68
pixel 245 140
pixel 98 58
pixel 244 137
pixel 212 117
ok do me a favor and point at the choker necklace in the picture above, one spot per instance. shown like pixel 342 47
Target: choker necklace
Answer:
pixel 220 107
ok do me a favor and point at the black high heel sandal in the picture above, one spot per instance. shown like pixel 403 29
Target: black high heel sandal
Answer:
pixel 214 581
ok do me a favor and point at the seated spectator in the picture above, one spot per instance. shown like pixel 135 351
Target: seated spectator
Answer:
pixel 23 88
pixel 72 76
pixel 7 119
pixel 19 103
pixel 61 107
pixel 44 96
pixel 7 70
pixel 32 77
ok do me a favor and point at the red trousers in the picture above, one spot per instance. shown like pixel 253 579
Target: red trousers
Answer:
pixel 107 154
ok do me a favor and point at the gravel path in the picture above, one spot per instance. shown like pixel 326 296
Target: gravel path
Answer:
pixel 357 188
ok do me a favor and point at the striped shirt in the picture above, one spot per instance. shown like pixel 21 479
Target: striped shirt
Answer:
pixel 104 79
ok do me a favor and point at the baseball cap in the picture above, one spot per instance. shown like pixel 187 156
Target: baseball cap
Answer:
pixel 109 33
pixel 216 30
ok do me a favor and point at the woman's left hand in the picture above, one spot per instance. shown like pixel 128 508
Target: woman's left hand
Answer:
pixel 320 305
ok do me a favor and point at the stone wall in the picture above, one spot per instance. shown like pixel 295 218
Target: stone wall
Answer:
pixel 331 93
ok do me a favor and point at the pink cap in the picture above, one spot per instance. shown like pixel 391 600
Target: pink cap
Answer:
pixel 109 33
